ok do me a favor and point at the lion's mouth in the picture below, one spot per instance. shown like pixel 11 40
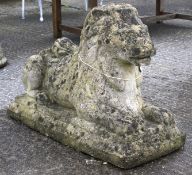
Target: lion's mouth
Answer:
pixel 145 60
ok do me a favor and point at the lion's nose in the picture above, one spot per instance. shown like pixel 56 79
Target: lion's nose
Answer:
pixel 139 53
pixel 136 52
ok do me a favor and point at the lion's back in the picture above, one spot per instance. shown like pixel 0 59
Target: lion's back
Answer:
pixel 61 66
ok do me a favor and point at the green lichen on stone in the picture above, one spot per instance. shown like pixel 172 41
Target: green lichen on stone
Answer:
pixel 88 96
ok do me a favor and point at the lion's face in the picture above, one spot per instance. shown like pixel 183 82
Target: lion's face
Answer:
pixel 132 43
pixel 120 31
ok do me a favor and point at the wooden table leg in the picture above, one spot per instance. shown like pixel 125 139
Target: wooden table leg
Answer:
pixel 56 17
pixel 92 3
pixel 158 7
pixel 159 10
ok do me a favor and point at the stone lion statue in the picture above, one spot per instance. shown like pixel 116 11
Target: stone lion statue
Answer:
pixel 88 96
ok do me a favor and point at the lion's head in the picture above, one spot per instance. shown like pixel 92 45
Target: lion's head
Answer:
pixel 119 29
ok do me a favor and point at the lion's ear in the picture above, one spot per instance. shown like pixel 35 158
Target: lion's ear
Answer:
pixel 98 13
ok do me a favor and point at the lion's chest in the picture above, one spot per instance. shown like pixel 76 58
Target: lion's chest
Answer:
pixel 129 96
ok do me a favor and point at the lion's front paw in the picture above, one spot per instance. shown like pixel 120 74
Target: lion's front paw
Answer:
pixel 157 115
pixel 38 95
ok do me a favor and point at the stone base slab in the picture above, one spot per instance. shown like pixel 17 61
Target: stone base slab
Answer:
pixel 63 126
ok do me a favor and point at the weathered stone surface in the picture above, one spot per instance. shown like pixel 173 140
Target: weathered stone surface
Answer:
pixel 3 59
pixel 89 96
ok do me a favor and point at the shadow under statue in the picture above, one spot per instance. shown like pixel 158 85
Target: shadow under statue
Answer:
pixel 88 96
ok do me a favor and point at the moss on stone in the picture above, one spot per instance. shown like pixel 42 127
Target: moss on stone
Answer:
pixel 89 96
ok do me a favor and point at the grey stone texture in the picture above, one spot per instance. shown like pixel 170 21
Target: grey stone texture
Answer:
pixel 89 98
pixel 24 151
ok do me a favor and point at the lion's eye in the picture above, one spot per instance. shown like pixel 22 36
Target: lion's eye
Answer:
pixel 99 42
pixel 107 41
